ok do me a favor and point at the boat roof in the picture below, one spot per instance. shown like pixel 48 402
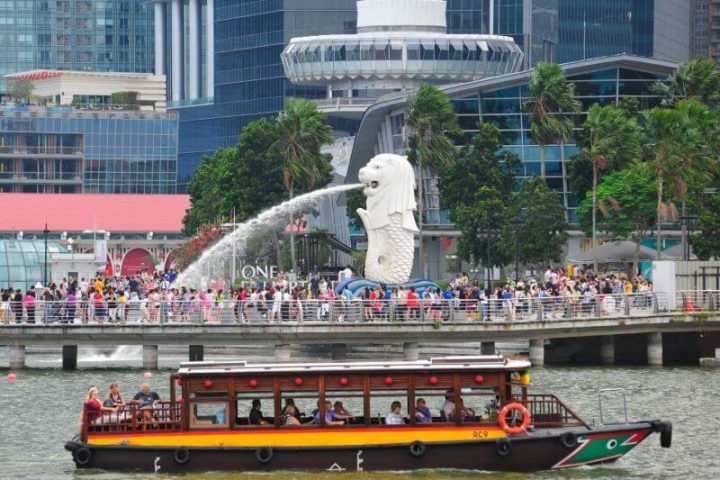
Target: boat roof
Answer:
pixel 474 363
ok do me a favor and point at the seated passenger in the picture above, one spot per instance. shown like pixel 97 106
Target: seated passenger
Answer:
pixel 289 416
pixel 113 397
pixel 97 413
pixel 289 402
pixel 466 413
pixel 422 412
pixel 256 416
pixel 447 412
pixel 340 412
pixel 330 418
pixel 146 401
pixel 395 417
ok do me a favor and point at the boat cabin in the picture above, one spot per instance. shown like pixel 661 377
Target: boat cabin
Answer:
pixel 460 391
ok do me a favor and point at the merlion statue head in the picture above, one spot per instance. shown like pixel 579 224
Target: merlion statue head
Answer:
pixel 390 188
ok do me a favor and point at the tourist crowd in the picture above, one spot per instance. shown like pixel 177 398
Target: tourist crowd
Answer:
pixel 152 298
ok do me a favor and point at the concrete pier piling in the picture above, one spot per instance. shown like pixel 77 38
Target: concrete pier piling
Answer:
pixel 607 350
pixel 655 349
pixel 282 353
pixel 150 357
pixel 17 357
pixel 339 351
pixel 411 351
pixel 69 357
pixel 196 353
pixel 537 352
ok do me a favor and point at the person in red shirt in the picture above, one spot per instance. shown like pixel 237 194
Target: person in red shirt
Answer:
pixel 96 411
pixel 99 302
pixel 413 304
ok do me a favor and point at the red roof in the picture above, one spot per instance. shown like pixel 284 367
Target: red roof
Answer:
pixel 69 212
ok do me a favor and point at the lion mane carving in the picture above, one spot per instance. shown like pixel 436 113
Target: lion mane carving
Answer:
pixel 389 221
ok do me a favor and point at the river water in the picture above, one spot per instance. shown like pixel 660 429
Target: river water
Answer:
pixel 39 412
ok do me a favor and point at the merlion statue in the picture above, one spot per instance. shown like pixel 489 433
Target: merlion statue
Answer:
pixel 389 221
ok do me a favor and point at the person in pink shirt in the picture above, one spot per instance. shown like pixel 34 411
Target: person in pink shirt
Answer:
pixel 29 304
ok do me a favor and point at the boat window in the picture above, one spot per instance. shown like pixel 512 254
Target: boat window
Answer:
pixel 347 405
pixel 479 404
pixel 439 402
pixel 255 409
pixel 384 406
pixel 208 414
pixel 299 405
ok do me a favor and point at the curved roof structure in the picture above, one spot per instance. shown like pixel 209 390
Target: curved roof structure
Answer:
pixel 365 140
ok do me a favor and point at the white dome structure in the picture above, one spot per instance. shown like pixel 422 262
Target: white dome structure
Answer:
pixel 399 44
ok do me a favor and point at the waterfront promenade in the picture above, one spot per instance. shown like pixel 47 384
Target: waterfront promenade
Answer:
pixel 340 324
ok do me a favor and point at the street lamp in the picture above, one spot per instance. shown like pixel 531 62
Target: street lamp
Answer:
pixel 516 224
pixel 45 272
pixel 687 220
pixel 488 234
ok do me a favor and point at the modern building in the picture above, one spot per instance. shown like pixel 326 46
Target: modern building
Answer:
pixel 650 28
pixel 699 28
pixel 60 149
pixel 714 30
pixel 498 100
pixel 86 234
pixel 399 44
pixel 101 36
pixel 146 91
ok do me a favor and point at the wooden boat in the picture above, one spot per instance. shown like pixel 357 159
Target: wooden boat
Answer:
pixel 483 418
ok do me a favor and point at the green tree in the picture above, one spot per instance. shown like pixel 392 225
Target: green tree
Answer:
pixel 612 139
pixel 671 138
pixel 239 181
pixel 431 121
pixel 478 193
pixel 543 232
pixel 697 79
pixel 20 90
pixel 706 243
pixel 301 135
pixel 627 200
pixel 551 100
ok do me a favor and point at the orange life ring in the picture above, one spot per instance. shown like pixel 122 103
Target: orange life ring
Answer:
pixel 502 418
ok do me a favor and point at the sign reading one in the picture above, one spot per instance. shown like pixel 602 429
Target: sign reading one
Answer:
pixel 248 272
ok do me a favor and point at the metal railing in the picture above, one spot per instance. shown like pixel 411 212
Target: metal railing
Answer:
pixel 339 310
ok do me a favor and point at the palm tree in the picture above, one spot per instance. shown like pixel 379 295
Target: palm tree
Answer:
pixel 697 79
pixel 551 99
pixel 672 137
pixel 610 134
pixel 301 134
pixel 430 119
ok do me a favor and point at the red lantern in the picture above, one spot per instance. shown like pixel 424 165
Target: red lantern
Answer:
pixel 433 380
pixel 343 381
pixel 208 384
pixel 388 381
pixel 252 383
pixel 179 381
pixel 447 243
pixel 479 379
pixel 298 381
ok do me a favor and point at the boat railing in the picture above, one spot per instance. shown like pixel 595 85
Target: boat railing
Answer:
pixel 164 416
pixel 548 410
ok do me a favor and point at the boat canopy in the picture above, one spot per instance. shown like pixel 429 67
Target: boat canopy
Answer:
pixel 489 363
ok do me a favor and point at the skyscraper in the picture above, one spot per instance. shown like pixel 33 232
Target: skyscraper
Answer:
pixel 105 36
pixel 699 28
pixel 650 28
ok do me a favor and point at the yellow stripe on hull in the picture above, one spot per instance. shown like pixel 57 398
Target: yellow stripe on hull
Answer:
pixel 310 438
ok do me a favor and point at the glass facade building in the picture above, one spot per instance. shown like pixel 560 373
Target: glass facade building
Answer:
pixel 22 262
pixel 248 74
pixel 93 35
pixel 43 150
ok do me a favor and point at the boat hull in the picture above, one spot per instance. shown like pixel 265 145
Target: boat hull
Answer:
pixel 539 450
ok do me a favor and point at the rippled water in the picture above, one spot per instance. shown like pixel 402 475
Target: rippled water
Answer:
pixel 40 411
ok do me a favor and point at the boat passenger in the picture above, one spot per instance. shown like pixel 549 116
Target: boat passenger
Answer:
pixel 330 417
pixel 289 402
pixel 422 412
pixel 146 401
pixel 448 409
pixel 395 417
pixel 340 412
pixel 289 417
pixel 256 416
pixel 97 413
pixel 113 397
